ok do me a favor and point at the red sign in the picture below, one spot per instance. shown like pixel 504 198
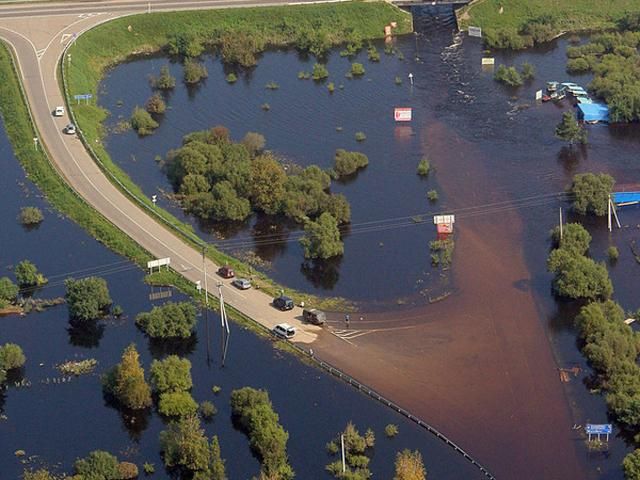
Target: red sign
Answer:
pixel 445 227
pixel 402 114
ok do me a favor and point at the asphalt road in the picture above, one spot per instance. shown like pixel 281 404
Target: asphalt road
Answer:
pixel 38 34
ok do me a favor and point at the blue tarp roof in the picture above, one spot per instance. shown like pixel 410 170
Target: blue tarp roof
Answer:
pixel 625 197
pixel 593 112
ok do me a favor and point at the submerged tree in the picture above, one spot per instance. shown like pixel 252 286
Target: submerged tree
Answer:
pixel 126 382
pixel 27 275
pixel 591 193
pixel 322 238
pixel 87 298
pixel 569 130
pixel 409 466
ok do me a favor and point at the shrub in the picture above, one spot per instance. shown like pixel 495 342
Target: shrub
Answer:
pixel 398 81
pixel 165 81
pixel 442 251
pixel 149 468
pixel 185 44
pixel 391 430
pixel 87 298
pixel 126 383
pixel 27 275
pixel 272 85
pixel 331 87
pixel 424 167
pixel 347 163
pixel 155 104
pixel 528 71
pixel 11 356
pixel 117 311
pixel 142 122
pixel 253 142
pixel 207 410
pixel 578 65
pixel 194 72
pixel 409 466
pixel 231 78
pixel 172 374
pixel 360 137
pixel 127 470
pixel 8 291
pixel 319 72
pixel 613 253
pixel 373 54
pixel 357 69
pixel 170 320
pixel 591 193
pixel 240 48
pixel 30 215
pixel 332 447
pixel 266 107
pixel 432 195
pixel 322 238
pixel 508 75
pixel 177 404
pixel 631 465
pixel 216 389
pixel 98 465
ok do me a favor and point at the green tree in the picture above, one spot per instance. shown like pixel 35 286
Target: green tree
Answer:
pixel 194 72
pixel 357 69
pixel 267 184
pixel 27 275
pixel 253 142
pixel 98 465
pixel 11 356
pixel 40 474
pixel 30 216
pixel 171 320
pixel 591 193
pixel 569 130
pixel 577 276
pixel 142 122
pixel 528 71
pixel 177 404
pixel 575 238
pixel 87 298
pixel 193 184
pixel 409 466
pixel 508 75
pixel 155 104
pixel 126 382
pixel 322 238
pixel 165 81
pixel 631 465
pixel 173 374
pixel 227 205
pixel 184 444
pixel 423 167
pixel 347 163
pixel 216 468
pixel 8 291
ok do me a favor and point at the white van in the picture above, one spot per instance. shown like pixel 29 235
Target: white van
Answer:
pixel 284 330
pixel 58 112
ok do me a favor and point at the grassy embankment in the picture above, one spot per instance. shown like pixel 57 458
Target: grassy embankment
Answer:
pixel 561 16
pixel 20 130
pixel 106 45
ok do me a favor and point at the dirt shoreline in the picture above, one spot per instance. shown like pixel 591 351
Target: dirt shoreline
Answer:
pixel 479 365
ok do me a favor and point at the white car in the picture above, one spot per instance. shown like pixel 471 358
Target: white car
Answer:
pixel 70 129
pixel 284 330
pixel 58 112
pixel 241 283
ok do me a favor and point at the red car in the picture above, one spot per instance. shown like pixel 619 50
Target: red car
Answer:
pixel 226 272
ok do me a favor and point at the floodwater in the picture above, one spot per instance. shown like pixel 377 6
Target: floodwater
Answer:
pixel 55 422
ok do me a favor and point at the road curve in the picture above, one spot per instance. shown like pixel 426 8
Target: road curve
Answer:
pixel 38 42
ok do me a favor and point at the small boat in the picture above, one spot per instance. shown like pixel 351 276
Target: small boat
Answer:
pixel 552 86
pixel 546 98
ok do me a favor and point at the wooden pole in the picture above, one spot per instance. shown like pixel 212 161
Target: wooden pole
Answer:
pixel 560 223
pixel 609 213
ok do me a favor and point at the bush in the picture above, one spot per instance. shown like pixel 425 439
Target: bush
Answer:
pixel 432 195
pixel 207 410
pixel 127 470
pixel 423 167
pixel 357 69
pixel 442 251
pixel 11 356
pixel 231 78
pixel 319 72
pixel 155 104
pixel 185 44
pixel 373 54
pixel 331 87
pixel 165 81
pixel 194 72
pixel 87 298
pixel 142 122
pixel 27 275
pixel 98 465
pixel 391 430
pixel 613 253
pixel 528 71
pixel 322 238
pixel 508 75
pixel 173 374
pixel 578 65
pixel 631 465
pixel 8 291
pixel 347 163
pixel 126 383
pixel 272 85
pixel 30 215
pixel 398 81
pixel 177 404
pixel 591 193
pixel 409 466
pixel 240 48
pixel 360 137
pixel 149 468
pixel 171 320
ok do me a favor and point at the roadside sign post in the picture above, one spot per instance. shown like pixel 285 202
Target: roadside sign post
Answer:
pixel 475 32
pixel 411 78
pixel 402 114
pixel 599 429
pixel 35 143
pixel 85 96
pixel 154 199
pixel 161 262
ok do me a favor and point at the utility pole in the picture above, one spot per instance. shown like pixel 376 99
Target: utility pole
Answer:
pixel 560 223
pixel 344 466
pixel 609 212
pixel 204 269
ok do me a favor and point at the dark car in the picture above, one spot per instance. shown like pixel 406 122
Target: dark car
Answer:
pixel 283 303
pixel 226 272
pixel 314 316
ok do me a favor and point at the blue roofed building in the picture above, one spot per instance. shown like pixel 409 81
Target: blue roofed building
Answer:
pixel 593 112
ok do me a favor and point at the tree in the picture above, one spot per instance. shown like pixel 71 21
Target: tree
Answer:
pixel 142 122
pixel 177 404
pixel 171 320
pixel 347 163
pixel 631 465
pixel 173 374
pixel 591 193
pixel 184 445
pixel 569 130
pixel 11 356
pixel 165 81
pixel 155 104
pixel 322 238
pixel 227 205
pixel 87 298
pixel 98 465
pixel 27 275
pixel 254 142
pixel 193 184
pixel 216 468
pixel 8 291
pixel 575 238
pixel 126 382
pixel 40 474
pixel 30 215
pixel 409 466
pixel 267 180
pixel 423 167
pixel 577 276
pixel 528 71
pixel 508 75
pixel 194 72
